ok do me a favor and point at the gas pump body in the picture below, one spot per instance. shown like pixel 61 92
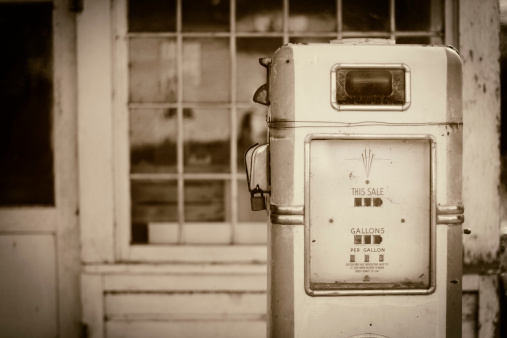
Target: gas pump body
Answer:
pixel 365 158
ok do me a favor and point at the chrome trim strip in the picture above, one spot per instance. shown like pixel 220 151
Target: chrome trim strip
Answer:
pixel 307 124
pixel 450 219
pixel 365 137
pixel 287 209
pixel 403 107
pixel 450 209
pixel 377 292
pixel 432 269
pixel 287 219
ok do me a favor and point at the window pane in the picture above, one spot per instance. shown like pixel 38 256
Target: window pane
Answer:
pixel 26 94
pixel 418 40
pixel 366 15
pixel 205 15
pixel 206 70
pixel 153 140
pixel 205 201
pixel 153 74
pixel 251 75
pixel 310 40
pixel 152 15
pixel 252 129
pixel 417 15
pixel 153 201
pixel 245 213
pixel 259 16
pixel 312 16
pixel 207 137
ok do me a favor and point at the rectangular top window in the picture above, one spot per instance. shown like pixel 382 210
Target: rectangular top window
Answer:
pixel 357 87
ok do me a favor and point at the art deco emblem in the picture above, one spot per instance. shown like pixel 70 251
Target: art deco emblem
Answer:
pixel 367 157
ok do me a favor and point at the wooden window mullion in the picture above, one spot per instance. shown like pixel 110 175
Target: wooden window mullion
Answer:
pixel 233 123
pixel 181 186
pixel 285 20
pixel 392 19
pixel 339 19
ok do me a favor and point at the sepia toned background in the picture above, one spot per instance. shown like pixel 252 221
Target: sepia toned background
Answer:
pixel 124 209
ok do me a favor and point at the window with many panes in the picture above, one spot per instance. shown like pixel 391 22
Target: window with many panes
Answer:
pixel 190 71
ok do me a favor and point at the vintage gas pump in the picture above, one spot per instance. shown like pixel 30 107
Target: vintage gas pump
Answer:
pixel 364 171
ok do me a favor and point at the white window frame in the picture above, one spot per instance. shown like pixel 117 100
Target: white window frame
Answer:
pixel 167 252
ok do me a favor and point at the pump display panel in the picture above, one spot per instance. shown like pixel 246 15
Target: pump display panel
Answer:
pixel 370 210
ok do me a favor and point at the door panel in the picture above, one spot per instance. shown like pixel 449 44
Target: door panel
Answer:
pixel 28 286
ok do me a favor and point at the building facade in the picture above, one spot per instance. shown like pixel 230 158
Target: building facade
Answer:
pixel 146 228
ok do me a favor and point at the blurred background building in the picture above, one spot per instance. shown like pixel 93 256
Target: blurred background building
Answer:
pixel 124 206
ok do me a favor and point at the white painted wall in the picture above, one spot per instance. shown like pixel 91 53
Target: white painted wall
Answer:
pixel 479 48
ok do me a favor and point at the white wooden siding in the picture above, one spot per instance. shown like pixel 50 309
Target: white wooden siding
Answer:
pixel 187 300
pixel 92 304
pixel 201 300
pixel 190 283
pixel 187 329
pixel 191 305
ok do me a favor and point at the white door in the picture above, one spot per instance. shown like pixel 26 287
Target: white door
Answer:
pixel 39 243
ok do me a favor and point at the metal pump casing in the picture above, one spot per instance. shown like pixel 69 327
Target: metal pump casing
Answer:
pixel 365 209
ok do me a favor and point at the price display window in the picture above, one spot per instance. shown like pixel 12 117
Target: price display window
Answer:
pixel 370 223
